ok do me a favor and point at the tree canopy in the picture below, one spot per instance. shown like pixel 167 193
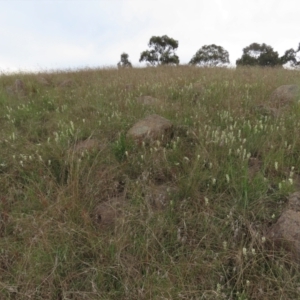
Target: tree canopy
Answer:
pixel 162 51
pixel 259 55
pixel 124 62
pixel 291 56
pixel 211 56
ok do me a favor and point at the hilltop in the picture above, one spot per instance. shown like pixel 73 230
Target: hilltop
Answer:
pixel 88 213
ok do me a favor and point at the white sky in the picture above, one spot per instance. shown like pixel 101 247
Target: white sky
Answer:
pixel 63 34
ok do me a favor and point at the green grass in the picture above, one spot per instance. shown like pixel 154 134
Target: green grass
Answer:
pixel 206 243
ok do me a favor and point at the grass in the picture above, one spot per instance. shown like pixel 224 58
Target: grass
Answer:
pixel 207 242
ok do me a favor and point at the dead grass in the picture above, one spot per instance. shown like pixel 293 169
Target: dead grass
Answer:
pixel 226 173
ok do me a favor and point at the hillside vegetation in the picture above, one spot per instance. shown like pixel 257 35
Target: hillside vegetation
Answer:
pixel 228 171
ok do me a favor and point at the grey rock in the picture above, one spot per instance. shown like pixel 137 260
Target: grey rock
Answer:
pixel 280 100
pixel 150 129
pixel 285 233
pixel 284 95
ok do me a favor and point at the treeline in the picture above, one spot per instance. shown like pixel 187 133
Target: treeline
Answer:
pixel 162 52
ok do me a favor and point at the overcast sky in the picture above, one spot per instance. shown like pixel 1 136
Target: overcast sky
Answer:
pixel 71 34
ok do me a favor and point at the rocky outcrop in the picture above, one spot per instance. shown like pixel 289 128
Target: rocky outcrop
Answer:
pixel 281 99
pixel 152 128
pixel 285 233
pixel 284 95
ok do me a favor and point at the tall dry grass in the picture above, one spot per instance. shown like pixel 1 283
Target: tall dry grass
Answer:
pixel 208 242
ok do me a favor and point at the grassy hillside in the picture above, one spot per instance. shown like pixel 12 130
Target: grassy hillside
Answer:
pixel 228 171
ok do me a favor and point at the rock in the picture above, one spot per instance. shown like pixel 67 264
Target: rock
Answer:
pixel 106 214
pixel 279 100
pixel 284 95
pixel 18 88
pixel 286 231
pixel 150 129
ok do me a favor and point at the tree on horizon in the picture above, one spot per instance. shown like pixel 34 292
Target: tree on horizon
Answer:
pixel 210 56
pixel 291 56
pixel 259 55
pixel 162 51
pixel 124 62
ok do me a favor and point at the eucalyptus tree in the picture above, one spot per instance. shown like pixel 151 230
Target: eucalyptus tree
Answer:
pixel 292 56
pixel 259 55
pixel 162 51
pixel 211 56
pixel 124 62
